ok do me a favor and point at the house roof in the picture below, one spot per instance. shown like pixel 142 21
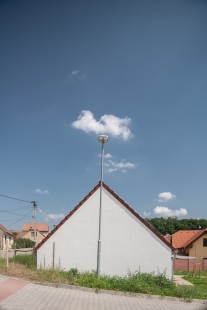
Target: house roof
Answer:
pixel 6 230
pixel 21 234
pixel 148 225
pixel 39 226
pixel 183 238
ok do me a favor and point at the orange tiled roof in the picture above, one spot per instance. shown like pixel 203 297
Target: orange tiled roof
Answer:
pixel 147 224
pixel 182 238
pixel 21 234
pixel 5 230
pixel 39 226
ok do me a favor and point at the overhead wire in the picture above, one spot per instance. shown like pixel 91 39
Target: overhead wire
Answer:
pixel 14 198
pixel 11 212
pixel 18 208
pixel 28 217
pixel 20 219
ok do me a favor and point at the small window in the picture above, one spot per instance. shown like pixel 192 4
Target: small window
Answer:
pixel 204 241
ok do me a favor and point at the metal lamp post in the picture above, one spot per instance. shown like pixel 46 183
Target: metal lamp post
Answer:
pixel 103 139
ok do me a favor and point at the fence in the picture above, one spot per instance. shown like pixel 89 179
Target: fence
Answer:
pixel 189 264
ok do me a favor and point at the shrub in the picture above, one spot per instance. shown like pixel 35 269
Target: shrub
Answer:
pixel 23 243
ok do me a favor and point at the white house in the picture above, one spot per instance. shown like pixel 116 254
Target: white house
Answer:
pixel 128 242
pixel 5 235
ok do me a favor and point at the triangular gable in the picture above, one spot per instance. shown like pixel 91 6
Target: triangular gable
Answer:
pixel 148 225
pixel 195 237
pixel 182 238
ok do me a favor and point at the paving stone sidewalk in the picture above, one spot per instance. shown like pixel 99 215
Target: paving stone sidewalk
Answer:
pixel 16 295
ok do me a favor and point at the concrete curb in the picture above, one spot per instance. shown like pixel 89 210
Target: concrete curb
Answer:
pixel 110 292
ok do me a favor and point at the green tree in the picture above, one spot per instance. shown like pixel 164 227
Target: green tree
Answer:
pixel 172 224
pixel 23 243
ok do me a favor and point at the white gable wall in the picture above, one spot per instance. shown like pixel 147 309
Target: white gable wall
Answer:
pixel 126 243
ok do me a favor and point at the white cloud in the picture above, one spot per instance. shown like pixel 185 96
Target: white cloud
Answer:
pixel 39 191
pixel 110 170
pixel 50 216
pixel 54 216
pixel 160 210
pixel 147 213
pixel 108 155
pixel 122 164
pixel 165 196
pixel 75 75
pixel 108 124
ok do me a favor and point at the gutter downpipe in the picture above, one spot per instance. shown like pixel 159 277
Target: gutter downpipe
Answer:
pixel 173 259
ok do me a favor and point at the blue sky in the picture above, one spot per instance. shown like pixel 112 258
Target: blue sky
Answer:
pixel 71 70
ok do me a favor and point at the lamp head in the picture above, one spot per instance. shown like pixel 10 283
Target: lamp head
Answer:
pixel 103 138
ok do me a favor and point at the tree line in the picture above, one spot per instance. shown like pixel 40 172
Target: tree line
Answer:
pixel 172 224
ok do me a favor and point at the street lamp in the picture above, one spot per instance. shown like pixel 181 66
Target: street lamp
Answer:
pixel 103 139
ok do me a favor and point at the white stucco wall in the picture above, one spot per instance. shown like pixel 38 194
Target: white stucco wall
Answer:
pixel 10 240
pixel 126 243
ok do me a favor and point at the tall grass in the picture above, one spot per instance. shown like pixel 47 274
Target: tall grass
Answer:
pixel 24 266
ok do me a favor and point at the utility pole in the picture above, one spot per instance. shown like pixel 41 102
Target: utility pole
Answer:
pixel 35 208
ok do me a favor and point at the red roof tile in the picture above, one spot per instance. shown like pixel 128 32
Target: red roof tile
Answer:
pixel 6 230
pixel 21 234
pixel 39 226
pixel 183 238
pixel 148 225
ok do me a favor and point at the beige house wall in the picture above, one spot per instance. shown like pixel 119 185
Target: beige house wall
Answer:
pixel 198 250
pixel 30 235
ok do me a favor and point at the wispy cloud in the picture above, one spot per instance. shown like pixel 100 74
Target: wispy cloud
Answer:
pixel 165 196
pixel 164 211
pixel 106 155
pixel 51 216
pixel 75 75
pixel 54 216
pixel 108 124
pixel 122 166
pixel 39 191
pixel 146 213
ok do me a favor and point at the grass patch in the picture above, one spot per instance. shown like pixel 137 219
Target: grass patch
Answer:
pixel 27 260
pixel 24 266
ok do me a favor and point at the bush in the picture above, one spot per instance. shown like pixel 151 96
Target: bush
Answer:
pixel 23 243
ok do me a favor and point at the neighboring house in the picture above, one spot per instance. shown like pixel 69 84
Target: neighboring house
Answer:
pixel 5 235
pixel 191 242
pixel 41 227
pixel 128 242
pixel 30 235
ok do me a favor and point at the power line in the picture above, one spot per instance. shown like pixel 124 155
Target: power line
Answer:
pixel 14 198
pixel 14 219
pixel 20 219
pixel 10 212
pixel 17 208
